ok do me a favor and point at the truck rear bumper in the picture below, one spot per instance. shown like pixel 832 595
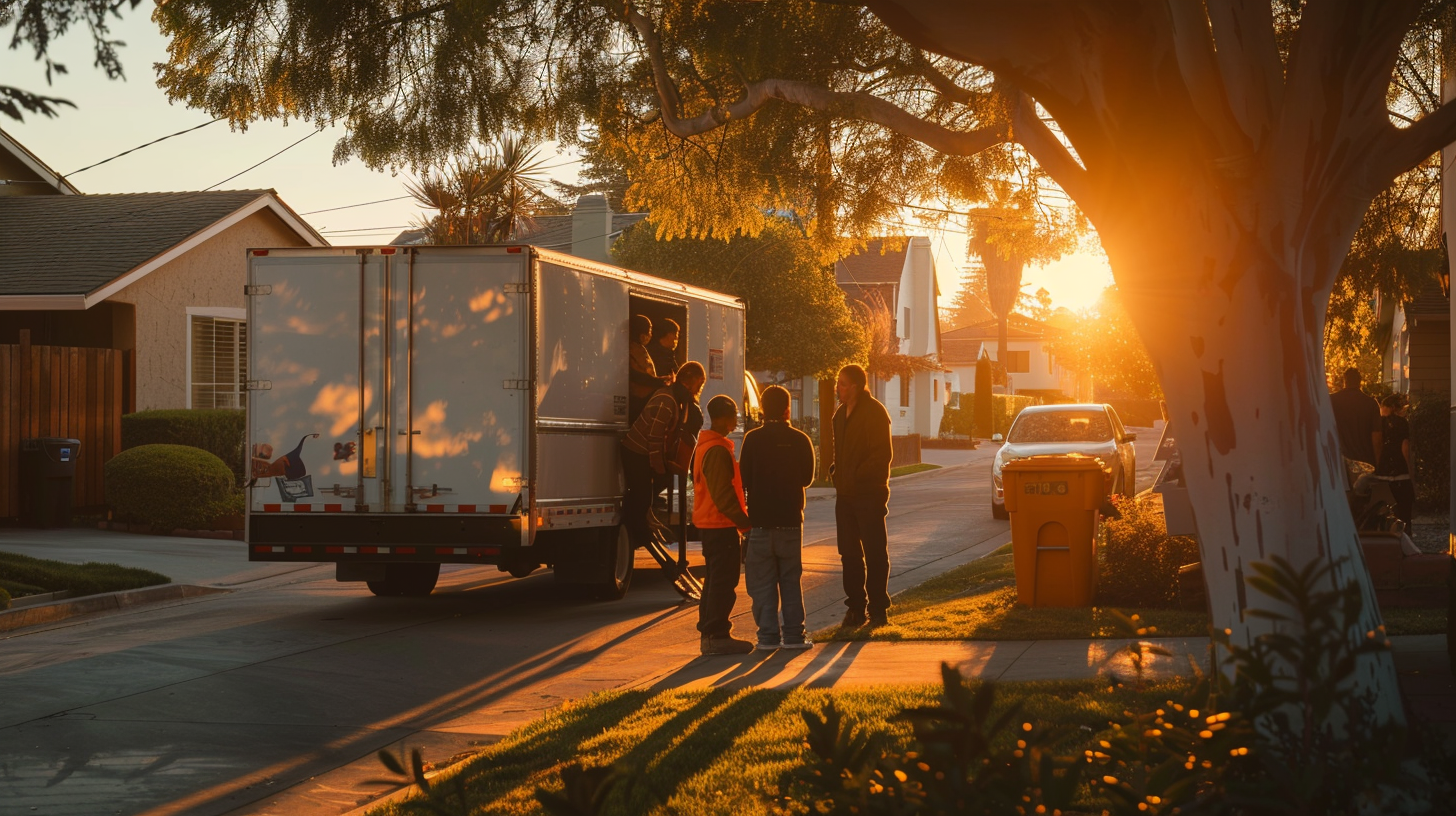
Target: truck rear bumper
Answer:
pixel 371 537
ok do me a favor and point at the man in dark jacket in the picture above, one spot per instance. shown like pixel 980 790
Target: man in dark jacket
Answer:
pixel 1357 420
pixel 777 464
pixel 861 472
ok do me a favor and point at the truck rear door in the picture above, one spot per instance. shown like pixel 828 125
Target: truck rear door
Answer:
pixel 464 436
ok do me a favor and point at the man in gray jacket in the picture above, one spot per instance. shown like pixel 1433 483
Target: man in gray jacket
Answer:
pixel 861 470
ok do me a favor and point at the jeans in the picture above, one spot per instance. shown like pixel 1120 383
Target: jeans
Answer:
pixel 864 551
pixel 723 554
pixel 772 570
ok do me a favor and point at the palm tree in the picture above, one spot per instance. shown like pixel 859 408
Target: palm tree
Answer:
pixel 483 199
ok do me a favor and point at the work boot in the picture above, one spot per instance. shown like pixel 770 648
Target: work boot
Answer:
pixel 879 620
pixel 725 645
pixel 853 619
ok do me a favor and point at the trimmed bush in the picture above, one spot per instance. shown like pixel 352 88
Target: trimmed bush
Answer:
pixel 1140 561
pixel 42 575
pixel 169 486
pixel 1430 429
pixel 1004 409
pixel 219 431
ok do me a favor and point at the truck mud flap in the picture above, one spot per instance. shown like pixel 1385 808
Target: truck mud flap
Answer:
pixel 683 580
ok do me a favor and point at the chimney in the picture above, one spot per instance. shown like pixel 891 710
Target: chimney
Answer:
pixel 591 228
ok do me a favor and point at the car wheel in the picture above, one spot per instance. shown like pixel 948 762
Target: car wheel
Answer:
pixel 998 511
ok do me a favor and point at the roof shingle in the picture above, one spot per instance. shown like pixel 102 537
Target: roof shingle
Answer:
pixel 76 244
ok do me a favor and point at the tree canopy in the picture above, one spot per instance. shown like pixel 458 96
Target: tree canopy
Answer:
pixel 1102 343
pixel 798 322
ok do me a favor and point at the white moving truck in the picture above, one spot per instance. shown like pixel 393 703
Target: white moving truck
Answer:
pixel 416 406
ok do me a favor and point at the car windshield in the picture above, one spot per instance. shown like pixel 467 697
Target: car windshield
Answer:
pixel 1061 426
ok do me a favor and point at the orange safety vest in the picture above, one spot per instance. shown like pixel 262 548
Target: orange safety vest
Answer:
pixel 706 514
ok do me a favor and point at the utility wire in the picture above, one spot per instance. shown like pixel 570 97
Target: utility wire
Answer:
pixel 139 147
pixel 265 161
pixel 351 206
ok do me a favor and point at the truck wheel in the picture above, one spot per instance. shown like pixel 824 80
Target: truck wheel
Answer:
pixel 616 549
pixel 406 580
pixel 521 569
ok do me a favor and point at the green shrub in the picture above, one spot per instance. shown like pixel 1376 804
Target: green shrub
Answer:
pixel 1430 429
pixel 1139 560
pixel 81 579
pixel 219 431
pixel 1004 409
pixel 4 599
pixel 168 486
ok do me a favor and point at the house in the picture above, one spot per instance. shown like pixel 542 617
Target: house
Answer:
pixel 900 273
pixel 158 276
pixel 588 232
pixel 1031 368
pixel 1415 340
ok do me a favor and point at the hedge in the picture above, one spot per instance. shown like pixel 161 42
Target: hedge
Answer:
pixel 1140 560
pixel 169 487
pixel 1004 408
pixel 219 431
pixel 1430 430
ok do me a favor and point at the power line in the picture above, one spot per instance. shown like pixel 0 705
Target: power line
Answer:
pixel 139 147
pixel 351 206
pixel 265 161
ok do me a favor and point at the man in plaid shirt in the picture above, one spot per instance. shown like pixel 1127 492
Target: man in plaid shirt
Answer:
pixel 650 448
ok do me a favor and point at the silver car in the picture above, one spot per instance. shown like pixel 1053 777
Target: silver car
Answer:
pixel 1093 430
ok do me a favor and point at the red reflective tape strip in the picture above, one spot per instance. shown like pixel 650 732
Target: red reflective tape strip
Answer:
pixel 444 551
pixel 262 548
pixel 302 549
pixel 272 508
pixel 333 549
pixel 333 508
pixel 497 508
pixel 434 508
pixel 404 550
pixel 369 550
pixel 513 250
pixel 259 253
pixel 465 508
pixel 303 508
pixel 386 251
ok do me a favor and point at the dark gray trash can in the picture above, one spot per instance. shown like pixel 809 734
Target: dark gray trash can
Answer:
pixel 47 480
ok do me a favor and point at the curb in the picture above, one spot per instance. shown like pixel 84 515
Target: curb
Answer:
pixel 900 479
pixel 106 602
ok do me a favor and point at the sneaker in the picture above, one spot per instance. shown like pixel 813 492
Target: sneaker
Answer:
pixel 853 619
pixel 766 646
pixel 799 644
pixel 726 646
pixel 879 620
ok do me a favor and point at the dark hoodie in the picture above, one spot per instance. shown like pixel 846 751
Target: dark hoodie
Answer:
pixel 862 449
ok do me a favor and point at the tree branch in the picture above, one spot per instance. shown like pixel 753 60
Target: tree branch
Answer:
pixel 1248 58
pixel 1193 45
pixel 855 105
pixel 1404 148
pixel 1044 146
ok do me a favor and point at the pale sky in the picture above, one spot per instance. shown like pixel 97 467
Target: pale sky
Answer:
pixel 113 116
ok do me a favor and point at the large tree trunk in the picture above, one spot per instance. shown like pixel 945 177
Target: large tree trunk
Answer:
pixel 1236 343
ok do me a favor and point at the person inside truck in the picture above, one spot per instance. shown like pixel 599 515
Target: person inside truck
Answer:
pixel 663 349
pixel 643 379
pixel 653 448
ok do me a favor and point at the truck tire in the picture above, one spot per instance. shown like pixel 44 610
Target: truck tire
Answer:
pixel 406 580
pixel 620 555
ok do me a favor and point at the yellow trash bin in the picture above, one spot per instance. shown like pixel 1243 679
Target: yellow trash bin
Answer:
pixel 1054 502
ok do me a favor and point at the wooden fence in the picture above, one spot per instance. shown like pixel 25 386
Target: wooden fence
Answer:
pixel 77 393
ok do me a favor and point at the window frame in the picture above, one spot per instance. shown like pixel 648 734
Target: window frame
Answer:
pixel 238 314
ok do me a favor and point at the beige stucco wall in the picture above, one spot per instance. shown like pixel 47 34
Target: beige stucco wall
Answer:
pixel 211 274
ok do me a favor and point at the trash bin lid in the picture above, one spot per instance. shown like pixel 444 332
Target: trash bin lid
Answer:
pixel 1055 461
pixel 60 440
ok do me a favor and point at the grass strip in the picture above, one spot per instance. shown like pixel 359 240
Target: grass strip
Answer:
pixel 906 470
pixel 23 575
pixel 977 601
pixel 730 752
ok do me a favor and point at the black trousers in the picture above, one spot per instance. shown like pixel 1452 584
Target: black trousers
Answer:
pixel 638 499
pixel 723 553
pixel 1404 492
pixel 864 553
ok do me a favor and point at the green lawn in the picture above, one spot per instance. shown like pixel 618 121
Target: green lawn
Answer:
pixel 730 752
pixel 21 575
pixel 906 470
pixel 977 601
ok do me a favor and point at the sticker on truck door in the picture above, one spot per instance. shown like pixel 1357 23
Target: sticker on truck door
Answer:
pixel 293 480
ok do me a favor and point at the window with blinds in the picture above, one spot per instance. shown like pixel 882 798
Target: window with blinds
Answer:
pixel 219 362
pixel 1018 362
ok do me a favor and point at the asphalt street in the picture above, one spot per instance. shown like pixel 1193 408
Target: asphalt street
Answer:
pixel 273 697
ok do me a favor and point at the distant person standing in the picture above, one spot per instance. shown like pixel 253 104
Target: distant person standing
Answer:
pixel 1396 464
pixel 777 464
pixel 720 517
pixel 861 471
pixel 1357 420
